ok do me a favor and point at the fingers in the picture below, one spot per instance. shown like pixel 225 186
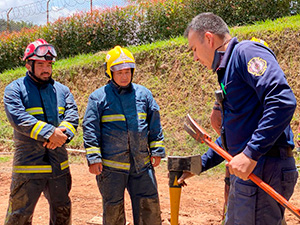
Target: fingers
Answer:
pixel 96 168
pixel 62 128
pixel 155 161
pixel 184 176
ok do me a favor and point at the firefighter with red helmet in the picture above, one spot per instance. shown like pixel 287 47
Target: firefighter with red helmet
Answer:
pixel 124 141
pixel 44 116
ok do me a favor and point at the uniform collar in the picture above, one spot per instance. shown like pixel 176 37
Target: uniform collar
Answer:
pixel 120 90
pixel 228 52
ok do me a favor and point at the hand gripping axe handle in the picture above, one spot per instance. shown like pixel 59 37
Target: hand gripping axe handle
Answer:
pixel 198 133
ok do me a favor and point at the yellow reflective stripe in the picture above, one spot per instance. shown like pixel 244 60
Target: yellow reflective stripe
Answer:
pixel 298 136
pixel 32 169
pixel 68 125
pixel 112 118
pixel 92 150
pixel 36 129
pixel 64 165
pixel 117 165
pixel 147 160
pixel 35 110
pixel 61 110
pixel 155 144
pixel 142 116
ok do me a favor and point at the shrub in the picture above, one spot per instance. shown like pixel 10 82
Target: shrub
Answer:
pixel 138 23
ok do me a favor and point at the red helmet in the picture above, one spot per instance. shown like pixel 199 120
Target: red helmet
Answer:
pixel 40 50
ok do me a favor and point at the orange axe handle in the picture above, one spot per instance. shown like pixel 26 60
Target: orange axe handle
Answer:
pixel 267 188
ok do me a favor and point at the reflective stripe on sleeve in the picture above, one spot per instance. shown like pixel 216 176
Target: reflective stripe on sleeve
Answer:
pixel 35 110
pixel 112 118
pixel 93 150
pixel 68 125
pixel 36 129
pixel 142 116
pixel 147 160
pixel 115 164
pixel 61 110
pixel 64 165
pixel 32 169
pixel 155 144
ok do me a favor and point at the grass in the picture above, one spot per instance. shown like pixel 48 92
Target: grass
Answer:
pixel 4 159
pixel 277 25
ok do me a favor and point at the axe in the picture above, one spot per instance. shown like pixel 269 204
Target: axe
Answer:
pixel 176 166
pixel 198 133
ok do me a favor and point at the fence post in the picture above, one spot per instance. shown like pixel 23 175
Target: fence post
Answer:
pixel 7 24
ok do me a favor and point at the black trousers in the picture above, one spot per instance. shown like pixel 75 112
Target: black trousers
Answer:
pixel 24 195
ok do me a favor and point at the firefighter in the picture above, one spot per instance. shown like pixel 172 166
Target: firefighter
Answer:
pixel 123 140
pixel 44 116
pixel 258 105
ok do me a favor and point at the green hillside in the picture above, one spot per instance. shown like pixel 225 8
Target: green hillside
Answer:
pixel 179 85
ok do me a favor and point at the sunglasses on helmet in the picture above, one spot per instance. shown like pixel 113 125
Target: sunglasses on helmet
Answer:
pixel 43 50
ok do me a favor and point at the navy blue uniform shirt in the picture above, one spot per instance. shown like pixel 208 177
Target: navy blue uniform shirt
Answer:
pixel 258 105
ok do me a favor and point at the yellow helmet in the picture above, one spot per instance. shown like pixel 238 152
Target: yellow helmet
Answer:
pixel 260 41
pixel 117 59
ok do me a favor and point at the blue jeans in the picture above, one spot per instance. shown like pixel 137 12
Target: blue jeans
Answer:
pixel 250 205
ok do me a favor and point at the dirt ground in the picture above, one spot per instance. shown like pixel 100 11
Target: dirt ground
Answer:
pixel 201 201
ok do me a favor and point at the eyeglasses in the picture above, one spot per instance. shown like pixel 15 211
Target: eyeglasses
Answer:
pixel 43 50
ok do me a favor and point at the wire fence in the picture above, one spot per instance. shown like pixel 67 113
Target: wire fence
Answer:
pixel 41 12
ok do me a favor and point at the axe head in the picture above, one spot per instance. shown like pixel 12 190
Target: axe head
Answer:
pixel 192 164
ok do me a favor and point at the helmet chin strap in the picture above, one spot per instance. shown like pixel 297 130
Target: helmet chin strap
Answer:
pixel 121 87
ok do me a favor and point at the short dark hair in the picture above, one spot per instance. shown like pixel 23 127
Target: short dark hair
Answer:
pixel 207 22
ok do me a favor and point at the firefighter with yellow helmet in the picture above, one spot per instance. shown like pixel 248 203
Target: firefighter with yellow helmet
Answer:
pixel 123 139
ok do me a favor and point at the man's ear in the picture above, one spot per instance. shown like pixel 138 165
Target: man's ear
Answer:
pixel 28 66
pixel 209 38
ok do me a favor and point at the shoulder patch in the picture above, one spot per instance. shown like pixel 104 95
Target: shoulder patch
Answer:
pixel 257 66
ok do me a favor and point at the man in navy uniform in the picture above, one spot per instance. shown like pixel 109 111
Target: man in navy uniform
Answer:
pixel 258 105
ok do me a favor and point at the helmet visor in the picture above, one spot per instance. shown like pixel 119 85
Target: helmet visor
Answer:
pixel 43 50
pixel 122 66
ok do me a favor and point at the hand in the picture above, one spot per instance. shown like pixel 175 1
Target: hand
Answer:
pixel 96 168
pixel 241 166
pixel 50 145
pixel 57 139
pixel 185 175
pixel 155 160
pixel 216 120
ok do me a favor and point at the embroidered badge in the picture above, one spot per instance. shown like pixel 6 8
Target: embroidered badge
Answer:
pixel 257 66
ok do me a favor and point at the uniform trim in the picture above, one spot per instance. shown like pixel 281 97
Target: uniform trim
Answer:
pixel 113 118
pixel 37 129
pixel 147 160
pixel 68 125
pixel 35 110
pixel 32 169
pixel 156 144
pixel 61 110
pixel 121 165
pixel 93 150
pixel 40 111
pixel 115 164
pixel 64 165
pixel 142 116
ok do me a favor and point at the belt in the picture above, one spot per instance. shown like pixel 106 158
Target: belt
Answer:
pixel 277 151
